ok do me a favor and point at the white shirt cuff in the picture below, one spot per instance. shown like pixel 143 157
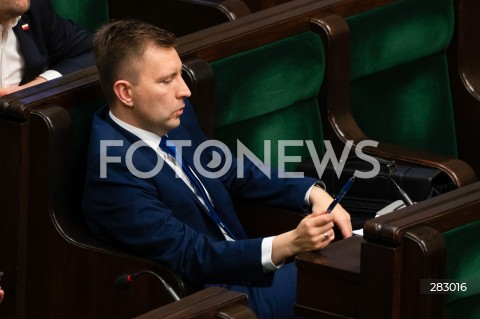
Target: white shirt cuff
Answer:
pixel 307 197
pixel 50 75
pixel 267 263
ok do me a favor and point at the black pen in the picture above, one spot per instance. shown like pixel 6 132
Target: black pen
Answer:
pixel 340 195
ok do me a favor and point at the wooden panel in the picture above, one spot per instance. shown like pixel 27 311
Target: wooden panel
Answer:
pixel 266 26
pixel 464 68
pixel 257 5
pixel 399 250
pixel 328 281
pixel 179 16
pixel 13 207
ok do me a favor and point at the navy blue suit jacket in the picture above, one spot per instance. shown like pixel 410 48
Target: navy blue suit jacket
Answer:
pixel 47 41
pixel 161 218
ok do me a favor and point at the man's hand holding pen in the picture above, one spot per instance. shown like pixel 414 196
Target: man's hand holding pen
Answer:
pixel 322 203
pixel 315 231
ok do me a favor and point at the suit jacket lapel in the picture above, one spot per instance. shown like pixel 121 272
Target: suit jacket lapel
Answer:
pixel 35 62
pixel 166 170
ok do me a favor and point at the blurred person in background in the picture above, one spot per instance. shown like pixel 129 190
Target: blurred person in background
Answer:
pixel 37 45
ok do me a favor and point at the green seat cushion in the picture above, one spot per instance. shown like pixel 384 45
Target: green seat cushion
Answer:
pixel 400 90
pixel 89 14
pixel 467 308
pixel 270 93
pixel 463 265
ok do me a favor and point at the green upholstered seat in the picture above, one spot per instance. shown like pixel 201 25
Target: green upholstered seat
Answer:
pixel 270 93
pixel 400 90
pixel 89 14
pixel 463 265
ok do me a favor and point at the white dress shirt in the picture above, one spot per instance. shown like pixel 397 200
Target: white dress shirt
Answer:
pixel 12 63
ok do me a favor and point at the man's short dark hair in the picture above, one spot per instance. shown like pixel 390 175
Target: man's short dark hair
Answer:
pixel 119 43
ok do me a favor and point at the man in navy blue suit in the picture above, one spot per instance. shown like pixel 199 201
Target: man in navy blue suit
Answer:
pixel 168 206
pixel 38 45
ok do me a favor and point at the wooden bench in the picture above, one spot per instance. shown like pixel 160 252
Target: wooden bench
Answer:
pixel 18 199
pixel 178 16
pixel 53 266
pixel 46 246
pixel 376 89
pixel 237 64
pixel 279 42
pixel 387 273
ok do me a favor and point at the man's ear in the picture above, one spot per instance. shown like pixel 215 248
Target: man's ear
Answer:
pixel 123 91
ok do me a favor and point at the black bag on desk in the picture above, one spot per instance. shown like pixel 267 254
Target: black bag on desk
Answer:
pixel 367 196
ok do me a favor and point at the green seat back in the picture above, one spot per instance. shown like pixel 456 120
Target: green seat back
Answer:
pixel 270 93
pixel 400 90
pixel 89 14
pixel 463 265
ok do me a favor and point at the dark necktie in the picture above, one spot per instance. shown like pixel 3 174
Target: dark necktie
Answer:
pixel 170 150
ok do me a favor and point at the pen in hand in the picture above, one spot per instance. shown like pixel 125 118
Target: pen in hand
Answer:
pixel 340 195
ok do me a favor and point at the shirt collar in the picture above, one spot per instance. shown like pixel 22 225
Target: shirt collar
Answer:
pixel 12 23
pixel 152 139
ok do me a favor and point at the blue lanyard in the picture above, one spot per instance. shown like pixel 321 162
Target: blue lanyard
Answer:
pixel 170 149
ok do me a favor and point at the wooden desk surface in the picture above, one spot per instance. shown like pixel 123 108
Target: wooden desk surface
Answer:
pixel 325 275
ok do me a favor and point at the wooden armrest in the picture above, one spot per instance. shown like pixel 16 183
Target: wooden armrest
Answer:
pixel 13 105
pixel 443 212
pixel 391 275
pixel 234 9
pixel 465 80
pixel 339 123
pixel 212 302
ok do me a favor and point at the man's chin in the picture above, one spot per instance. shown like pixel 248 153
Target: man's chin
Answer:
pixel 175 123
pixel 18 11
